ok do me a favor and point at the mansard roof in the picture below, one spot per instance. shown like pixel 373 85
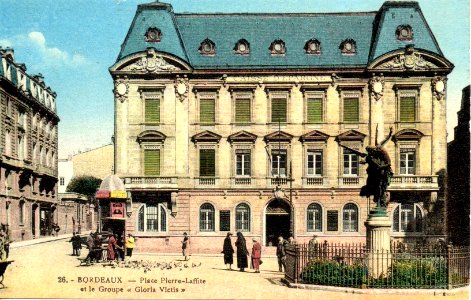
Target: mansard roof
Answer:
pixel 206 136
pixel 242 136
pixel 351 135
pixel 373 34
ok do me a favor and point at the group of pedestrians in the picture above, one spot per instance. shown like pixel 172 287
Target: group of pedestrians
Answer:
pixel 242 253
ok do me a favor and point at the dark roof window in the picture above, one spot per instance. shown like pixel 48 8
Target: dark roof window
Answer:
pixel 277 47
pixel 242 47
pixel 153 35
pixel 207 47
pixel 404 33
pixel 348 47
pixel 313 46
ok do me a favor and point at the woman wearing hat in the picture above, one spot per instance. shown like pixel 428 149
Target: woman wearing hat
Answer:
pixel 256 255
pixel 228 251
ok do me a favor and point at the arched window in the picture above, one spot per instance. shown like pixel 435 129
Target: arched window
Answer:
pixel 152 217
pixel 350 218
pixel 242 217
pixel 407 218
pixel 206 217
pixel 314 217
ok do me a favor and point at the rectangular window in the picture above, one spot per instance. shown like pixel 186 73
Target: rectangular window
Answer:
pixel 225 220
pixel 243 163
pixel 152 218
pixel 207 166
pixel 407 162
pixel 314 162
pixel 314 110
pixel 62 181
pixel 152 162
pixel 350 163
pixel 332 220
pixel 242 109
pixel 207 109
pixel 351 112
pixel 152 110
pixel 278 109
pixel 278 162
pixel 407 109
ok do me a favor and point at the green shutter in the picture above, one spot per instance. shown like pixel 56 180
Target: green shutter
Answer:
pixel 278 110
pixel 314 110
pixel 207 111
pixel 407 113
pixel 207 167
pixel 151 162
pixel 242 111
pixel 152 111
pixel 350 110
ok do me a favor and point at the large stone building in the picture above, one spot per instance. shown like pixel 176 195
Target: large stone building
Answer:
pixel 28 151
pixel 232 122
pixel 458 177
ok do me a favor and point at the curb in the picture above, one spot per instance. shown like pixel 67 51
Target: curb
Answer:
pixel 21 244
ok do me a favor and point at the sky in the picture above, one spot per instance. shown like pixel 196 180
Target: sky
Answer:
pixel 74 42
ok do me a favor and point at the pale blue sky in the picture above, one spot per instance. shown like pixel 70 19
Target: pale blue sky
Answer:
pixel 74 42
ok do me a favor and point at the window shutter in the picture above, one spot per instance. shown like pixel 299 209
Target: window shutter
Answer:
pixel 278 110
pixel 207 114
pixel 407 109
pixel 350 110
pixel 151 162
pixel 152 111
pixel 314 110
pixel 207 167
pixel 242 111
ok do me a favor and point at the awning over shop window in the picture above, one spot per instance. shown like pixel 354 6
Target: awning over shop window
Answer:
pixel 112 187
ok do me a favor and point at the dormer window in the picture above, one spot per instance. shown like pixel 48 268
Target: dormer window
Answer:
pixel 153 35
pixel 207 47
pixel 277 47
pixel 313 46
pixel 404 33
pixel 348 47
pixel 242 47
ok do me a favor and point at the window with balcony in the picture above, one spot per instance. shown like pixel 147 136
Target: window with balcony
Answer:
pixel 279 106
pixel 151 161
pixel 314 162
pixel 207 108
pixel 314 218
pixel 207 217
pixel 207 162
pixel 242 108
pixel 243 217
pixel 350 218
pixel 408 218
pixel 279 162
pixel 350 163
pixel 243 162
pixel 152 217
pixel 407 161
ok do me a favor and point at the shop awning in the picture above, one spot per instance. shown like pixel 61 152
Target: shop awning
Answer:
pixel 112 187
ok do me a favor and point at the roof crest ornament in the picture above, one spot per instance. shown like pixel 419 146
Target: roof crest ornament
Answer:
pixel 408 61
pixel 152 63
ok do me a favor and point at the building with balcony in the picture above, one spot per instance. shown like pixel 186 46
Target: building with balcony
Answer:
pixel 28 151
pixel 232 122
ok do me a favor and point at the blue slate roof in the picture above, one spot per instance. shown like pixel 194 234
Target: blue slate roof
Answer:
pixel 373 32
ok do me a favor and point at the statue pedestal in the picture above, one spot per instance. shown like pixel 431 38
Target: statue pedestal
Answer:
pixel 378 234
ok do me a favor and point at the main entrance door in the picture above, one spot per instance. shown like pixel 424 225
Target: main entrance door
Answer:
pixel 277 221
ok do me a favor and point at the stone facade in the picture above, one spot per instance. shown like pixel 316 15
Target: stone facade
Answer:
pixel 273 165
pixel 28 156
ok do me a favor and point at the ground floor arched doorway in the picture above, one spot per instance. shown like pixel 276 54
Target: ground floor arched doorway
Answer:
pixel 277 221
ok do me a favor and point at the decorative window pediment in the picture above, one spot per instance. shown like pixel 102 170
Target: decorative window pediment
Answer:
pixel 404 33
pixel 348 47
pixel 242 136
pixel 278 136
pixel 207 47
pixel 277 47
pixel 408 135
pixel 313 46
pixel 151 136
pixel 351 135
pixel 206 136
pixel 153 35
pixel 242 47
pixel 314 136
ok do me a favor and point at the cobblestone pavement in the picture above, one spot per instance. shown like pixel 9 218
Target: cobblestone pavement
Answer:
pixel 49 271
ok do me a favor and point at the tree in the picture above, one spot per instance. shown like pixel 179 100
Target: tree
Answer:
pixel 85 185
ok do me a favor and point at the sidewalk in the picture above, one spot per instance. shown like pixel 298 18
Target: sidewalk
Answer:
pixel 20 244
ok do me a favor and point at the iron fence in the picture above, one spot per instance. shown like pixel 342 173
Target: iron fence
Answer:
pixel 352 265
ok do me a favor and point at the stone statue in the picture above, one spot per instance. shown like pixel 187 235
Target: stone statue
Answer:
pixel 379 171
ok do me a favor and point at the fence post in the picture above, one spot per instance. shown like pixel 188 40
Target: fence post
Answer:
pixel 448 266
pixel 296 263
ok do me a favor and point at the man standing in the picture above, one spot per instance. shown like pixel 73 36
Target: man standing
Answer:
pixel 313 247
pixel 280 253
pixel 185 246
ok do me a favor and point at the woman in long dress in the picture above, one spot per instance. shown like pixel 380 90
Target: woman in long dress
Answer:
pixel 256 255
pixel 228 251
pixel 242 252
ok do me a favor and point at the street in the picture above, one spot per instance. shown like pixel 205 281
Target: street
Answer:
pixel 48 270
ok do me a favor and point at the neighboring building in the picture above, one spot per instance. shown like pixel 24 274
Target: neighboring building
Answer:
pixel 458 177
pixel 28 151
pixel 213 111
pixel 98 163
